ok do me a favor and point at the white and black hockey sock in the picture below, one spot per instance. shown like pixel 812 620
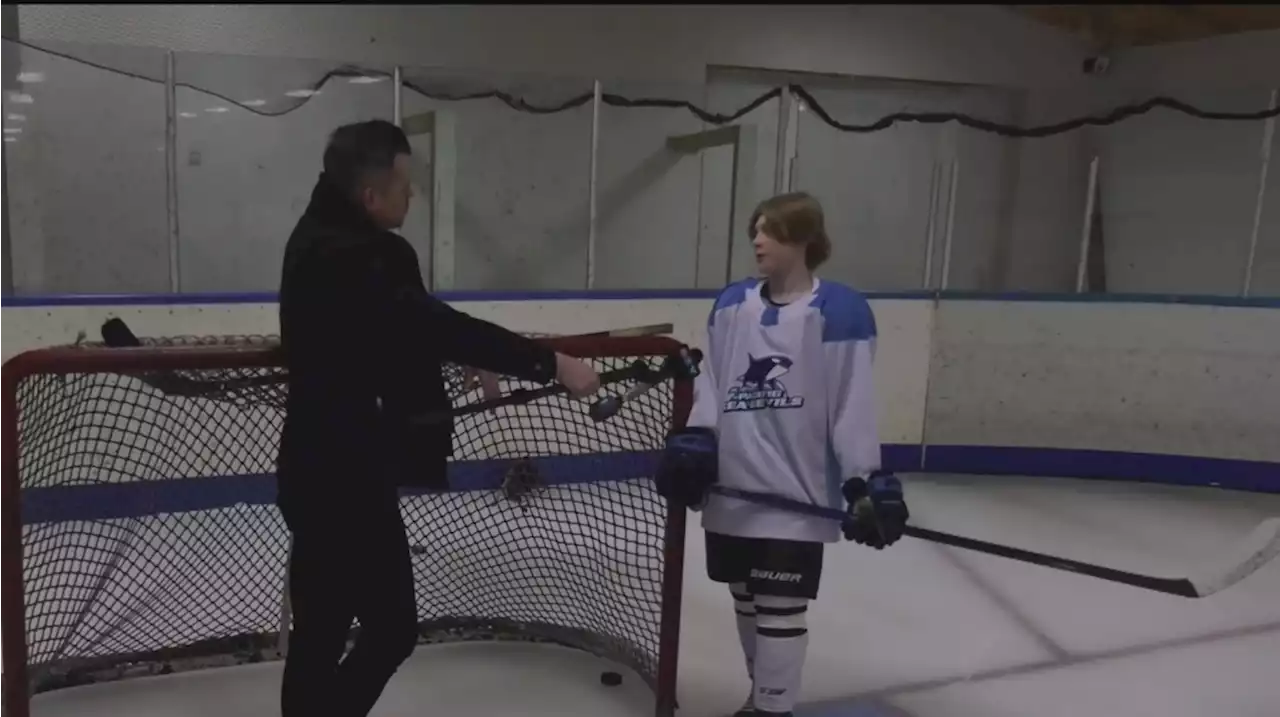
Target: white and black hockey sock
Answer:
pixel 782 639
pixel 744 608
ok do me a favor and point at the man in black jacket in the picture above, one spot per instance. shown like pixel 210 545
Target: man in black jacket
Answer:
pixel 363 344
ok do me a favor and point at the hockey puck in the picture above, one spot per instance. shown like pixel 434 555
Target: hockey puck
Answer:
pixel 610 679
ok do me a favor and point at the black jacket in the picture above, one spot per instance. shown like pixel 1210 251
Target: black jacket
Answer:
pixel 363 344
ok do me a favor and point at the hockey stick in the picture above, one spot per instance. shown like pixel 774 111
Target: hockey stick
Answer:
pixel 682 365
pixel 1259 548
pixel 116 334
pixel 646 330
pixel 639 371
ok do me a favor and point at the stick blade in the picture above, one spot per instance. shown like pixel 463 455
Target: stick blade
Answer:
pixel 633 331
pixel 116 334
pixel 1255 551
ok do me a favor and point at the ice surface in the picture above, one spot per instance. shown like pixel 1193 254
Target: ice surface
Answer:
pixel 461 680
pixel 917 629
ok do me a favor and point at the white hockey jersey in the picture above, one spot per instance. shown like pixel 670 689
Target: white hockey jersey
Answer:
pixel 788 389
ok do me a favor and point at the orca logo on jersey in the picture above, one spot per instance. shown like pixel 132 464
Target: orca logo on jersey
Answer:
pixel 760 388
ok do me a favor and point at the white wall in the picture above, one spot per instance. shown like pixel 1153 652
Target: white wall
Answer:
pixel 86 175
pixel 1050 186
pixel 521 180
pixel 1158 378
pixel 1178 193
pixel 942 43
pixel 9 83
pixel 1187 380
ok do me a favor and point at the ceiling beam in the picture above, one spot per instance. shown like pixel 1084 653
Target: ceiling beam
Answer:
pixel 1128 25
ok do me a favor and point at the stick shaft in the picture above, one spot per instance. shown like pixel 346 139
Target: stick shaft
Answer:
pixel 518 398
pixel 1172 586
pixel 646 330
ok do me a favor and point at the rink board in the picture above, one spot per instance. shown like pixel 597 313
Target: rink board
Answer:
pixel 1134 378
pixel 1127 388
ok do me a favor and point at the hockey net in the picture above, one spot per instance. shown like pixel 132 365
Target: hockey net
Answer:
pixel 141 537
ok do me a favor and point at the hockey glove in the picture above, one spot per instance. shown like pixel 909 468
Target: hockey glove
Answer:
pixel 877 511
pixel 690 464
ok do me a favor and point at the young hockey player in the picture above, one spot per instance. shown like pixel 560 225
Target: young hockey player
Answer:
pixel 784 406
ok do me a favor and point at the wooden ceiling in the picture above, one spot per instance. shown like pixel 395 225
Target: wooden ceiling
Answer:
pixel 1117 26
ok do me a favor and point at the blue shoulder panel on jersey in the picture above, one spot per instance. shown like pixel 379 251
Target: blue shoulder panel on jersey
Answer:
pixel 846 314
pixel 731 296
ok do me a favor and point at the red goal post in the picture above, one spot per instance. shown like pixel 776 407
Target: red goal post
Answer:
pixel 117 492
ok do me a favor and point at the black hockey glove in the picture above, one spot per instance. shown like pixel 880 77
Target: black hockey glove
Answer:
pixel 877 511
pixel 690 464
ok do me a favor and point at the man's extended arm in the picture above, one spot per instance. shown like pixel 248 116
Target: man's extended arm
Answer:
pixel 405 317
pixel 466 340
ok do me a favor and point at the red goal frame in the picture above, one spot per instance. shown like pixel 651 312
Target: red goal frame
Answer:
pixel 96 359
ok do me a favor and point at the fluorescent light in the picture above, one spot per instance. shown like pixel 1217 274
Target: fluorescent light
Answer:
pixel 30 77
pixel 15 117
pixel 365 80
pixel 216 110
pixel 21 98
pixel 302 93
pixel 254 103
pixel 187 115
pixel 11 139
pixel 13 130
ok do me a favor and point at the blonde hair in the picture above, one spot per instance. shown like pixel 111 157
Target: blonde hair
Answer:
pixel 795 218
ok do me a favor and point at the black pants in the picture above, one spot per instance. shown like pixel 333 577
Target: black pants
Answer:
pixel 345 567
pixel 778 568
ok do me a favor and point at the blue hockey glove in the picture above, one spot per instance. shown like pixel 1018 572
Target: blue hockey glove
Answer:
pixel 877 511
pixel 690 464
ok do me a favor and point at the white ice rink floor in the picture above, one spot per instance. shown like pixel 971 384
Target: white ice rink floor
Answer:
pixel 917 630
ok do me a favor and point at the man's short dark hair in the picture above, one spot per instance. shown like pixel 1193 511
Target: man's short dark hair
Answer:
pixel 356 150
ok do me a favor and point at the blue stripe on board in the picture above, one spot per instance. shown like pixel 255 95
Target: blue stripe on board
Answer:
pixel 1106 465
pixel 1271 302
pixel 110 501
pixel 138 299
pixel 901 457
pixel 1259 302
pixel 107 501
pixel 270 297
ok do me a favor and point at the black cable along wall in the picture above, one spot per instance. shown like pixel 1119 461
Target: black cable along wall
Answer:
pixel 519 104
